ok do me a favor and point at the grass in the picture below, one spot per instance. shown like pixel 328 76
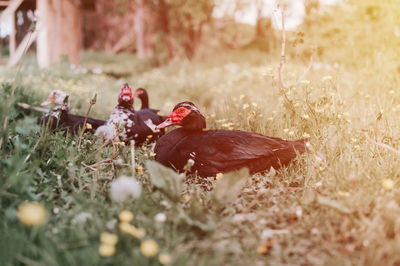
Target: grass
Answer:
pixel 327 208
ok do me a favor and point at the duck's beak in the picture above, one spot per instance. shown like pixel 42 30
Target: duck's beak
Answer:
pixel 168 122
pixel 49 100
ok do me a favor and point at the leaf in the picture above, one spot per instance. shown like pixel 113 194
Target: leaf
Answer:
pixel 165 179
pixel 206 226
pixel 228 188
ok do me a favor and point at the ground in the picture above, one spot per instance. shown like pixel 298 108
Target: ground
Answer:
pixel 337 204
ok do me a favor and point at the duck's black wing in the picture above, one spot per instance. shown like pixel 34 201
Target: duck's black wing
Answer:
pixel 223 151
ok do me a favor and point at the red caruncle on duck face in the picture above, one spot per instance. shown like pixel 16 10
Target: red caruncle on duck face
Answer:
pixel 126 94
pixel 177 115
pixel 175 118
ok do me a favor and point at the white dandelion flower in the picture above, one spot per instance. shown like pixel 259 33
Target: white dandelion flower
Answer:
pixel 108 132
pixel 125 187
pixel 160 217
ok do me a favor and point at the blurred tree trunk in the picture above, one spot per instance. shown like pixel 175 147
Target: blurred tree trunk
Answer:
pixel 164 20
pixel 260 32
pixel 59 31
pixel 139 30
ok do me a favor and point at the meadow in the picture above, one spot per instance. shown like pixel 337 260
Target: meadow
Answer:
pixel 338 204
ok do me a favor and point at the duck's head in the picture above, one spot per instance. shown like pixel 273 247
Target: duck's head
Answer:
pixel 125 96
pixel 187 115
pixel 56 97
pixel 140 93
pixel 144 98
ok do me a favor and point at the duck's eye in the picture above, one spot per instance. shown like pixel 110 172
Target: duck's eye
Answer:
pixel 182 111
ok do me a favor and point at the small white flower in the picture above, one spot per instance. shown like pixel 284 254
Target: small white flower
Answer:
pixel 299 211
pixel 97 71
pixel 160 217
pixel 125 187
pixel 119 161
pixel 81 218
pixel 108 132
pixel 305 116
pixel 165 204
pixel 111 224
pixel 318 184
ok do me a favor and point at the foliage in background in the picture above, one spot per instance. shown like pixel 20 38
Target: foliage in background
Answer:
pixel 362 34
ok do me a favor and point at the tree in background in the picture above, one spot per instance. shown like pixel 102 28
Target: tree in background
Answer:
pixel 159 29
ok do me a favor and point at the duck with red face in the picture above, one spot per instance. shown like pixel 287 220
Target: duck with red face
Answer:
pixel 125 124
pixel 219 151
pixel 119 125
pixel 61 118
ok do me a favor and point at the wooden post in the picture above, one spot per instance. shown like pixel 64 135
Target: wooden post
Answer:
pixel 46 27
pixel 12 6
pixel 13 44
pixel 60 31
pixel 69 41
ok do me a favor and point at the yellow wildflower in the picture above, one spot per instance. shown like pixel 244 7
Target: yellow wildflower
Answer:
pixel 119 143
pixel 88 126
pixel 263 249
pixel 388 184
pixel 164 258
pixel 132 230
pixel 139 169
pixel 186 198
pixel 32 213
pixel 126 216
pixel 149 248
pixel 108 238
pixel 106 250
